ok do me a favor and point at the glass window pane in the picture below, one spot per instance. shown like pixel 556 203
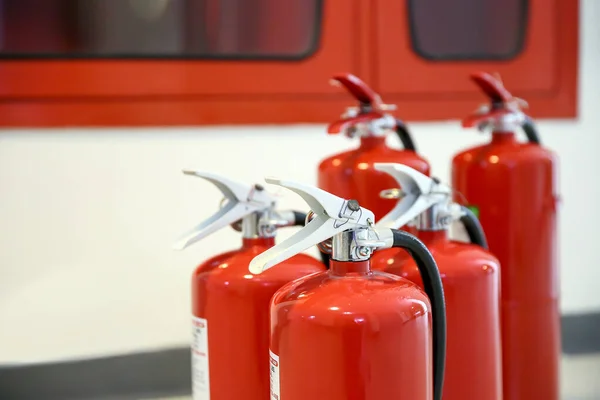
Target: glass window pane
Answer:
pixel 160 28
pixel 468 29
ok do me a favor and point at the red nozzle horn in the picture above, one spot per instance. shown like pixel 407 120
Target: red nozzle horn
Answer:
pixel 357 88
pixel 495 90
pixel 361 92
pixel 492 87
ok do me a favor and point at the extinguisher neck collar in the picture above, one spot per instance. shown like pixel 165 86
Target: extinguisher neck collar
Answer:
pixel 258 241
pixel 428 237
pixel 502 136
pixel 353 268
pixel 370 142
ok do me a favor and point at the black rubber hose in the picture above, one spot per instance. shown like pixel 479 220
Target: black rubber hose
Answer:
pixel 299 218
pixel 473 227
pixel 404 136
pixel 325 258
pixel 432 283
pixel 531 131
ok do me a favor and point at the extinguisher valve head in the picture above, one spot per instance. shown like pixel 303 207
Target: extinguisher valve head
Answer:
pixel 330 216
pixel 417 192
pixel 370 118
pixel 448 213
pixel 240 200
pixel 504 111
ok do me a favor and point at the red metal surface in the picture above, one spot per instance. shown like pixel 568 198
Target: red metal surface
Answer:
pixel 351 174
pixel 236 305
pixel 512 185
pixel 470 277
pixel 351 333
pixel 545 72
pixel 58 93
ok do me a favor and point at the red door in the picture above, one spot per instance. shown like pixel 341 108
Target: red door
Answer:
pixel 193 61
pixel 428 48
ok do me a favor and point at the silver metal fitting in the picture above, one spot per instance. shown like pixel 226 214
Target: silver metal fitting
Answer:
pixel 439 217
pixel 358 245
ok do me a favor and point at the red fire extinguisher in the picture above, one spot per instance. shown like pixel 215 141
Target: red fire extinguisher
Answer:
pixel 470 276
pixel 350 332
pixel 230 306
pixel 351 174
pixel 511 186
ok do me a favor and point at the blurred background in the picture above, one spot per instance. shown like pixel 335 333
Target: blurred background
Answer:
pixel 104 102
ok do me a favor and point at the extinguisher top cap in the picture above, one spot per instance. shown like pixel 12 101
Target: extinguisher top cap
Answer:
pixel 241 200
pixel 418 193
pixel 333 215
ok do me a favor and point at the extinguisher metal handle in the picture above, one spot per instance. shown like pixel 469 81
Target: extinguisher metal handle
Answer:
pixel 332 215
pixel 240 200
pixel 417 193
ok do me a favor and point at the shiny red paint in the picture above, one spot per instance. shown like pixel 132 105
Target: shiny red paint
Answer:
pixel 352 175
pixel 236 306
pixel 512 184
pixel 470 278
pixel 352 333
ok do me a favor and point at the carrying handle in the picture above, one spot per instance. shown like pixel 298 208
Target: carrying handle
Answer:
pixel 432 283
pixel 417 193
pixel 502 105
pixel 473 227
pixel 332 215
pixel 240 200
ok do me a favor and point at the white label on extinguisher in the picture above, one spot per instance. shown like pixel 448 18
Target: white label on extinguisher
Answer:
pixel 200 377
pixel 274 368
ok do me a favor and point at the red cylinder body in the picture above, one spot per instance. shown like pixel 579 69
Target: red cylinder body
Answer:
pixel 230 309
pixel 351 174
pixel 512 186
pixel 351 334
pixel 470 276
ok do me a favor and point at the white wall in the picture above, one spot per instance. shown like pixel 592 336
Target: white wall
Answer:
pixel 88 217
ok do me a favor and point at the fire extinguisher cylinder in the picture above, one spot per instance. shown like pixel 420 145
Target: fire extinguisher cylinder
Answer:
pixel 351 330
pixel 512 185
pixel 470 276
pixel 227 300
